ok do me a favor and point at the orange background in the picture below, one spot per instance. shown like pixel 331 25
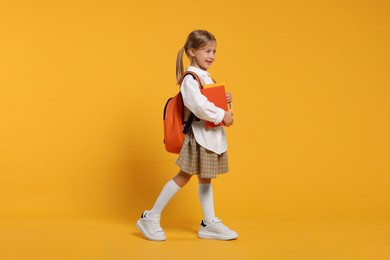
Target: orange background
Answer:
pixel 83 85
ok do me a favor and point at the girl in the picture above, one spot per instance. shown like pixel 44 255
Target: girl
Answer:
pixel 204 150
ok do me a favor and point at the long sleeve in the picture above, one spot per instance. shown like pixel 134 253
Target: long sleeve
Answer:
pixel 198 103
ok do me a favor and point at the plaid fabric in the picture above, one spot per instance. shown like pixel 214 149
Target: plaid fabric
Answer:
pixel 196 160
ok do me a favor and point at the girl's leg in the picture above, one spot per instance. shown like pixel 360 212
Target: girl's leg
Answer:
pixel 206 199
pixel 211 227
pixel 182 178
pixel 169 190
pixel 149 223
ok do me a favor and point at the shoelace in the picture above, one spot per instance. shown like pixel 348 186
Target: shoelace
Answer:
pixel 155 224
pixel 219 223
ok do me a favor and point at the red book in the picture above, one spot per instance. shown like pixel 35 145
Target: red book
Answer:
pixel 216 94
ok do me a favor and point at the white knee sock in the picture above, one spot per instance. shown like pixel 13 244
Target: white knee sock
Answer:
pixel 165 196
pixel 207 201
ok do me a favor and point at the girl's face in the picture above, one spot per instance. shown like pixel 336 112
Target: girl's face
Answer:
pixel 203 58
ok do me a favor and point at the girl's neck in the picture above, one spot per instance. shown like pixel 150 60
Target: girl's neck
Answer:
pixel 194 64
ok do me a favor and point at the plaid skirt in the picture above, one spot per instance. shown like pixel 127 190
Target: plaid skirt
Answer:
pixel 196 160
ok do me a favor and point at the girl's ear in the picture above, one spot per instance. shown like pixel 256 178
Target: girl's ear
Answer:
pixel 191 52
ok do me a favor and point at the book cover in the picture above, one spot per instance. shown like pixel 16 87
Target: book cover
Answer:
pixel 216 94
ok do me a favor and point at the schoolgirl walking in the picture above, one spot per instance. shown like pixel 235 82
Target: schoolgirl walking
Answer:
pixel 204 152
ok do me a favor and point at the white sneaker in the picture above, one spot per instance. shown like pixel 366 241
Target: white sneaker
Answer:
pixel 149 225
pixel 216 230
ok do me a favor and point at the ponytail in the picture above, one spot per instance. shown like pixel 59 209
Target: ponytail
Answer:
pixel 179 65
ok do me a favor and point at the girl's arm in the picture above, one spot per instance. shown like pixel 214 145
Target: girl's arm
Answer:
pixel 198 103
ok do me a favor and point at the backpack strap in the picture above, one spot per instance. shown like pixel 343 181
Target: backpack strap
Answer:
pixel 187 124
pixel 194 75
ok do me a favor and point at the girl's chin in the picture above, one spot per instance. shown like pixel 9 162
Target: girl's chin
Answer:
pixel 203 66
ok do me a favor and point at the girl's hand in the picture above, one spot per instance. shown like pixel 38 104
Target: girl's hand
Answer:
pixel 229 97
pixel 228 118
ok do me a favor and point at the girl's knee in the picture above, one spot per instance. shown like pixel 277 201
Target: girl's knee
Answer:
pixel 204 180
pixel 182 178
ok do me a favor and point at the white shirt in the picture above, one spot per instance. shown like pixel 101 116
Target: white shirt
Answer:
pixel 213 139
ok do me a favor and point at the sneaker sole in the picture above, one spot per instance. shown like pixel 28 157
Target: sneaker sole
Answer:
pixel 145 233
pixel 206 235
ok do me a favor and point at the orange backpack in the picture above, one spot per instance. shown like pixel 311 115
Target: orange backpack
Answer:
pixel 177 121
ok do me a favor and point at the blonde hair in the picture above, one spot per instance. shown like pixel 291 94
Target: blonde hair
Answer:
pixel 195 40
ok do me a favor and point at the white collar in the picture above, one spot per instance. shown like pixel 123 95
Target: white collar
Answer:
pixel 198 71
